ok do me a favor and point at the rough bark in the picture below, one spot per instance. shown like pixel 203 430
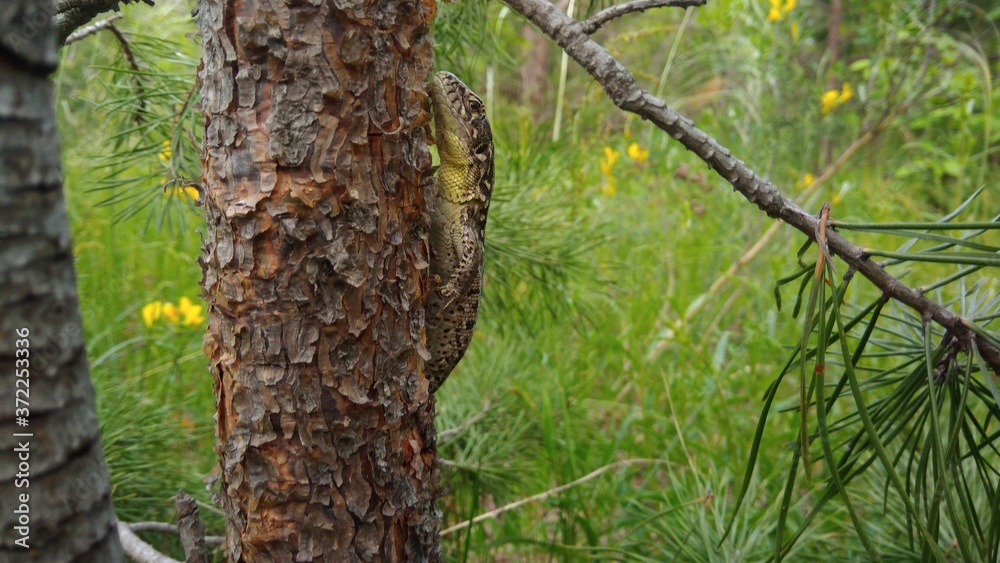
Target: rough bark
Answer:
pixel 315 270
pixel 50 438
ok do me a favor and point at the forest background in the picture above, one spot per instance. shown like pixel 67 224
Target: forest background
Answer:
pixel 629 324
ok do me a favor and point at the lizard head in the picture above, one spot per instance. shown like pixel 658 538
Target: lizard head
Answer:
pixel 463 133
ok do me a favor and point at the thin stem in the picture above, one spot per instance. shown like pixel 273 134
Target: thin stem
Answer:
pixel 594 22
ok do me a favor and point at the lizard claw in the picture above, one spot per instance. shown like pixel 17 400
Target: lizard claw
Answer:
pixel 448 293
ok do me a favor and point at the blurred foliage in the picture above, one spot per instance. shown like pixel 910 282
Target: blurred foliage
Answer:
pixel 600 339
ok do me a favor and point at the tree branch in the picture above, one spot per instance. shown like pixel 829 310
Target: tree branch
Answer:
pixel 447 435
pixel 627 95
pixel 71 14
pixel 551 492
pixel 139 550
pixel 91 29
pixel 167 528
pixel 595 21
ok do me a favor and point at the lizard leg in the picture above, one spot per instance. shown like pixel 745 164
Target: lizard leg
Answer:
pixel 469 249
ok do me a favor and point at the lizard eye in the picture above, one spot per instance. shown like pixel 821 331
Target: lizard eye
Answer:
pixel 482 149
pixel 475 106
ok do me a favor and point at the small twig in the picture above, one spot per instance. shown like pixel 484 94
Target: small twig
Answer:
pixel 71 14
pixel 162 527
pixel 594 22
pixel 92 29
pixel 546 494
pixel 446 435
pixel 138 550
pixel 165 528
pixel 210 507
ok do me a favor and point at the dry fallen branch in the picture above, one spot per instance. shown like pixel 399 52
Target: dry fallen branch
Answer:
pixel 138 550
pixel 167 528
pixel 627 95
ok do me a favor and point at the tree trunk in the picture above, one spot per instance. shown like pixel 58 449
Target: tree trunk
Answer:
pixel 55 497
pixel 835 15
pixel 315 266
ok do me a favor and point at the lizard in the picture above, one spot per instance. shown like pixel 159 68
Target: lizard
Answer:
pixel 457 202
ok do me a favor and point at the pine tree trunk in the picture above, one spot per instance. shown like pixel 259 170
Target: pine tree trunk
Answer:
pixel 315 266
pixel 55 497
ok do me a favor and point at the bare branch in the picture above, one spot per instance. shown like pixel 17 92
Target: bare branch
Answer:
pixel 627 95
pixel 91 29
pixel 139 550
pixel 166 528
pixel 771 231
pixel 546 494
pixel 71 14
pixel 447 435
pixel 162 527
pixel 595 21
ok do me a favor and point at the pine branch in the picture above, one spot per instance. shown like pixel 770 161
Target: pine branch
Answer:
pixel 621 87
pixel 91 29
pixel 72 14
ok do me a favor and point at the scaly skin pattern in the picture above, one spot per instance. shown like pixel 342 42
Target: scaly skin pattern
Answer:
pixel 457 203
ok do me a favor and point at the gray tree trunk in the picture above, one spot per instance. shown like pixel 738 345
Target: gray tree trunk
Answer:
pixel 55 497
pixel 315 271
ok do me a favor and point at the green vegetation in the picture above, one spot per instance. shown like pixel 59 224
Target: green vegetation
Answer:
pixel 601 341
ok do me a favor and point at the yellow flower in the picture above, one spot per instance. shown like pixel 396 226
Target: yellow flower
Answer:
pixel 166 152
pixel 184 314
pixel 779 9
pixel 151 312
pixel 608 162
pixel 191 312
pixel 833 98
pixel 829 101
pixel 186 193
pixel 637 153
pixel 846 92
pixel 808 179
pixel 171 312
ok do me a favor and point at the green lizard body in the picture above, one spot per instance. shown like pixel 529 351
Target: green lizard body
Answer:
pixel 458 203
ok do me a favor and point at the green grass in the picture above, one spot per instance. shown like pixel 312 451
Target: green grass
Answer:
pixel 596 342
